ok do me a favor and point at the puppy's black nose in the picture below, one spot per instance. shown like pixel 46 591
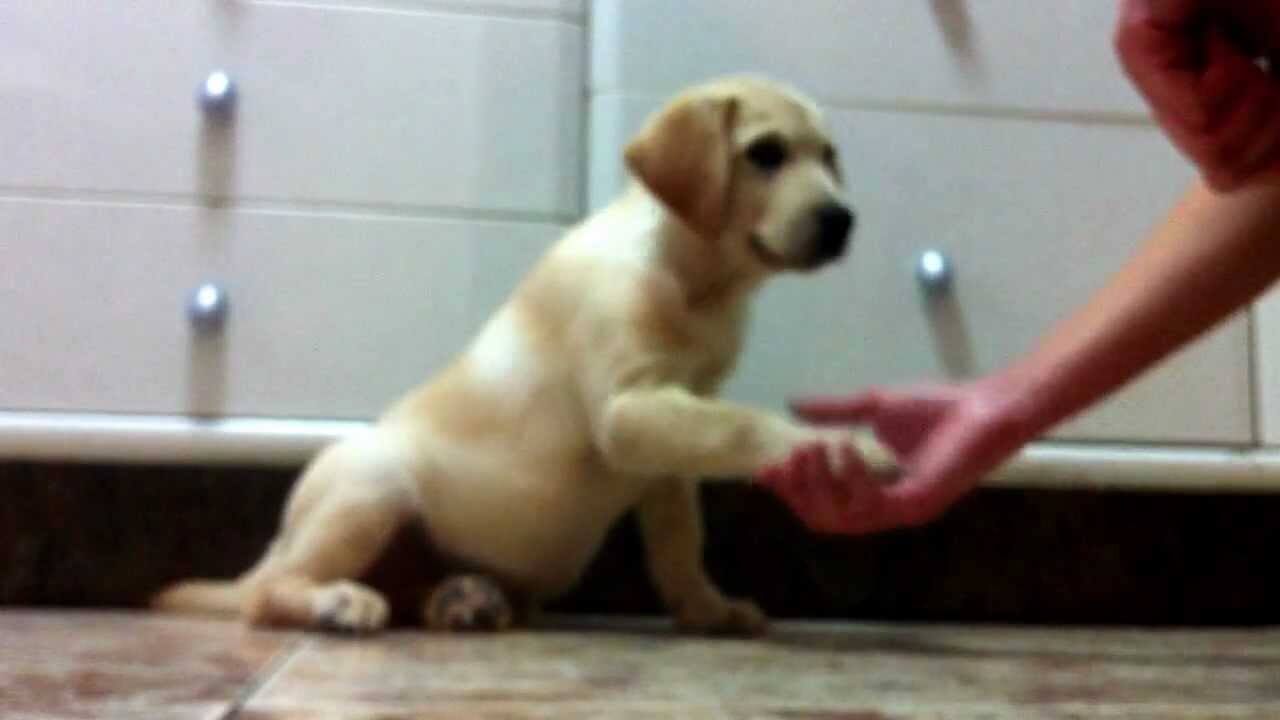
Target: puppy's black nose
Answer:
pixel 834 223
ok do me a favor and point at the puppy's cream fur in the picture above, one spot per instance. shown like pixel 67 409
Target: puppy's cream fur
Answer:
pixel 588 393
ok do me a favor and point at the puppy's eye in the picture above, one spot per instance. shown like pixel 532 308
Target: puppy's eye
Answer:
pixel 829 157
pixel 767 153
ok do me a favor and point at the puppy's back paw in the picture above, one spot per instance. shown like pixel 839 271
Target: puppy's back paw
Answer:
pixel 349 607
pixel 468 603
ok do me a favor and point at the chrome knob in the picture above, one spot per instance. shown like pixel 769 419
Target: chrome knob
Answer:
pixel 934 271
pixel 207 308
pixel 217 93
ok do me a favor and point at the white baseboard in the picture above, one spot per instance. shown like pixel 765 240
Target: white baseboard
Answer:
pixel 164 439
pixel 69 437
pixel 1141 467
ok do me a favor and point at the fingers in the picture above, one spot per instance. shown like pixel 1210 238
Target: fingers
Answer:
pixel 1228 81
pixel 786 478
pixel 1247 142
pixel 947 468
pixel 1219 108
pixel 863 509
pixel 807 490
pixel 1167 13
pixel 791 481
pixel 1242 139
pixel 826 494
pixel 1161 62
pixel 832 410
pixel 838 500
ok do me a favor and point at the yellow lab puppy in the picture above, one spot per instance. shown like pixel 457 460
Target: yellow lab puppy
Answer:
pixel 589 393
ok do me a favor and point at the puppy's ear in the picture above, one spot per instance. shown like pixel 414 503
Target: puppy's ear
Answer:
pixel 684 156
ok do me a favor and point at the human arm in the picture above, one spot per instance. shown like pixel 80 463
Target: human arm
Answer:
pixel 1213 254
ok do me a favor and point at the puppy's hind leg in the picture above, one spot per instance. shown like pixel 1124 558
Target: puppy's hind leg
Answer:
pixel 345 511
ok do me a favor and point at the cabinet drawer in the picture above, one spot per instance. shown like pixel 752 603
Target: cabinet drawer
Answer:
pixel 1034 216
pixel 329 316
pixel 1006 53
pixel 336 105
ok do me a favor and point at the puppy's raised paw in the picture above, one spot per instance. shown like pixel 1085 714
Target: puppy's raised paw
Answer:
pixel 738 618
pixel 467 603
pixel 349 607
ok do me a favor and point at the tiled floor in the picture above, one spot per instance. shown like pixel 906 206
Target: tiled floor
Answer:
pixel 113 665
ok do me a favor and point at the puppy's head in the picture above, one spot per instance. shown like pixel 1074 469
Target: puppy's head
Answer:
pixel 747 163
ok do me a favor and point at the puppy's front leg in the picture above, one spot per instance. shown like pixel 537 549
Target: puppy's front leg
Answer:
pixel 668 431
pixel 672 529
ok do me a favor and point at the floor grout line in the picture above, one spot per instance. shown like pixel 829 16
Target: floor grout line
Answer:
pixel 265 676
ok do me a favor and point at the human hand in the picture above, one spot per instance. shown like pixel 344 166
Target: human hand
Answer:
pixel 945 438
pixel 1195 62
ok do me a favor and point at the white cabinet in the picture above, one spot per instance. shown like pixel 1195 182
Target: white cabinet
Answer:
pixel 997 132
pixel 390 169
pixel 384 175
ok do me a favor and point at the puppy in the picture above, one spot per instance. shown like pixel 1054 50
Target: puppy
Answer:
pixel 590 392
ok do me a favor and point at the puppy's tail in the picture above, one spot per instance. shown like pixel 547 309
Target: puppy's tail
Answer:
pixel 220 598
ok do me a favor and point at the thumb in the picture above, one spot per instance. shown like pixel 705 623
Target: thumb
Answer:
pixel 831 410
pixel 948 467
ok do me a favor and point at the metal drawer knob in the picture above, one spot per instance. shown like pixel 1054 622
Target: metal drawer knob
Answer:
pixel 934 271
pixel 217 93
pixel 207 308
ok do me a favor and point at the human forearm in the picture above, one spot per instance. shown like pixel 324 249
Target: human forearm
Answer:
pixel 1212 255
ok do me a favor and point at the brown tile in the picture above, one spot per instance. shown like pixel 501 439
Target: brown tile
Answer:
pixel 870 711
pixel 101 666
pixel 911 711
pixel 505 711
pixel 492 711
pixel 821 672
